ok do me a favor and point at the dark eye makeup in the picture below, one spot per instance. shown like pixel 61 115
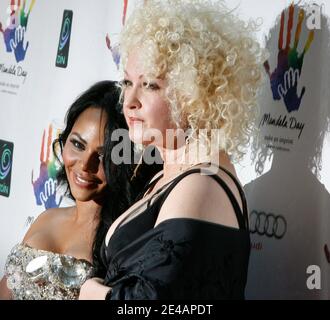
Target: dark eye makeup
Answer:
pixel 77 144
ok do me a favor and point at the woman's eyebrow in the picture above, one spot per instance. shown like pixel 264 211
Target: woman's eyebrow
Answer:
pixel 79 136
pixel 126 73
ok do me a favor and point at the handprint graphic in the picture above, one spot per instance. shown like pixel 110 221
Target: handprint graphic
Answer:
pixel 115 48
pixel 114 51
pixel 285 77
pixel 45 186
pixel 16 28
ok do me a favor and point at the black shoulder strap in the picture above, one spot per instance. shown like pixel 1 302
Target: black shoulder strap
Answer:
pixel 148 185
pixel 241 217
pixel 241 193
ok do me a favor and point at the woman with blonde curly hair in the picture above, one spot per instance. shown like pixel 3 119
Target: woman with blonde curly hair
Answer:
pixel 191 75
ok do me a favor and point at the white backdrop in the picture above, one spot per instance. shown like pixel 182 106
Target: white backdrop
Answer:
pixel 291 185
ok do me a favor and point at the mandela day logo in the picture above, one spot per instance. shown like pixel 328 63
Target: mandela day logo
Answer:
pixel 14 32
pixel 285 79
pixel 6 160
pixel 45 186
pixel 64 41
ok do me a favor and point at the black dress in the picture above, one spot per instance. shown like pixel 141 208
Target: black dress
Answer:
pixel 180 258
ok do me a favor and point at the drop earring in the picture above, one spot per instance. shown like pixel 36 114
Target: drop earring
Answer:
pixel 138 165
pixel 185 152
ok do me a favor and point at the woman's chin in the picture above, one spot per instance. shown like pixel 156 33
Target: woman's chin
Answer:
pixel 136 138
pixel 85 196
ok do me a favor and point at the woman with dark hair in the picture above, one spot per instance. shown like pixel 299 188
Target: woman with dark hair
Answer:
pixel 61 249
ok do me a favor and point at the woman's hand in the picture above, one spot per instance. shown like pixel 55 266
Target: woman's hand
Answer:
pixel 93 289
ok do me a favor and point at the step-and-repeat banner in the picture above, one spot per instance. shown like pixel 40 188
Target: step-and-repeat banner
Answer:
pixel 51 51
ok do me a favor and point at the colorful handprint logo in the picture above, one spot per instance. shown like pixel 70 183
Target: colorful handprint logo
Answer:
pixel 285 78
pixel 14 33
pixel 115 48
pixel 45 187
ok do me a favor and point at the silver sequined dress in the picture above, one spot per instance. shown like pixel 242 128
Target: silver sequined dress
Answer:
pixel 34 274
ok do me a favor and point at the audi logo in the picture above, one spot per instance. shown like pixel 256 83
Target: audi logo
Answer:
pixel 267 224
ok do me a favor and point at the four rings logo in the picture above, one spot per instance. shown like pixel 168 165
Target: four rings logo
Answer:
pixel 267 224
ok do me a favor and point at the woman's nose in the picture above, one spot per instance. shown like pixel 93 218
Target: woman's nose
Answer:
pixel 90 162
pixel 132 99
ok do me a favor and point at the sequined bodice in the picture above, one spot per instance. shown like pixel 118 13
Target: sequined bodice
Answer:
pixel 34 274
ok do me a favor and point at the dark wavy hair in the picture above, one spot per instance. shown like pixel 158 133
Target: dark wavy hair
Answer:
pixel 120 191
pixel 105 96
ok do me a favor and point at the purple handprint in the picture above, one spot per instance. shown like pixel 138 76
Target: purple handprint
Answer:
pixel 9 32
pixel 45 186
pixel 115 48
pixel 114 51
pixel 284 79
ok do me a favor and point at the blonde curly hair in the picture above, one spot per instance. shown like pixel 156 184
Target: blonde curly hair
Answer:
pixel 212 64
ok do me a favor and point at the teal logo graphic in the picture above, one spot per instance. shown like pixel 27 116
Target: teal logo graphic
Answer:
pixel 64 41
pixel 6 160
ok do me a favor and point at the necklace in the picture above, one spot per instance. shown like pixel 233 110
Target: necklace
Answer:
pixel 175 175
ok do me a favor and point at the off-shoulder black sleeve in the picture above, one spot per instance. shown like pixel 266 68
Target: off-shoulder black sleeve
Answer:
pixel 179 259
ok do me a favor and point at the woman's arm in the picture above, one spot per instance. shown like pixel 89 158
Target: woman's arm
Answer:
pixel 5 293
pixel 93 289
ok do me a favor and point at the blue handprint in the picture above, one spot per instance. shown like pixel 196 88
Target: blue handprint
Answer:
pixel 17 44
pixel 47 197
pixel 288 90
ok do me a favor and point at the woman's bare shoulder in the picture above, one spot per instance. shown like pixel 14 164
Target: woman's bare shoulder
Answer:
pixel 46 222
pixel 201 197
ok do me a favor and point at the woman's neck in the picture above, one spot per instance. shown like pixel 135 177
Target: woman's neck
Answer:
pixel 185 157
pixel 87 211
